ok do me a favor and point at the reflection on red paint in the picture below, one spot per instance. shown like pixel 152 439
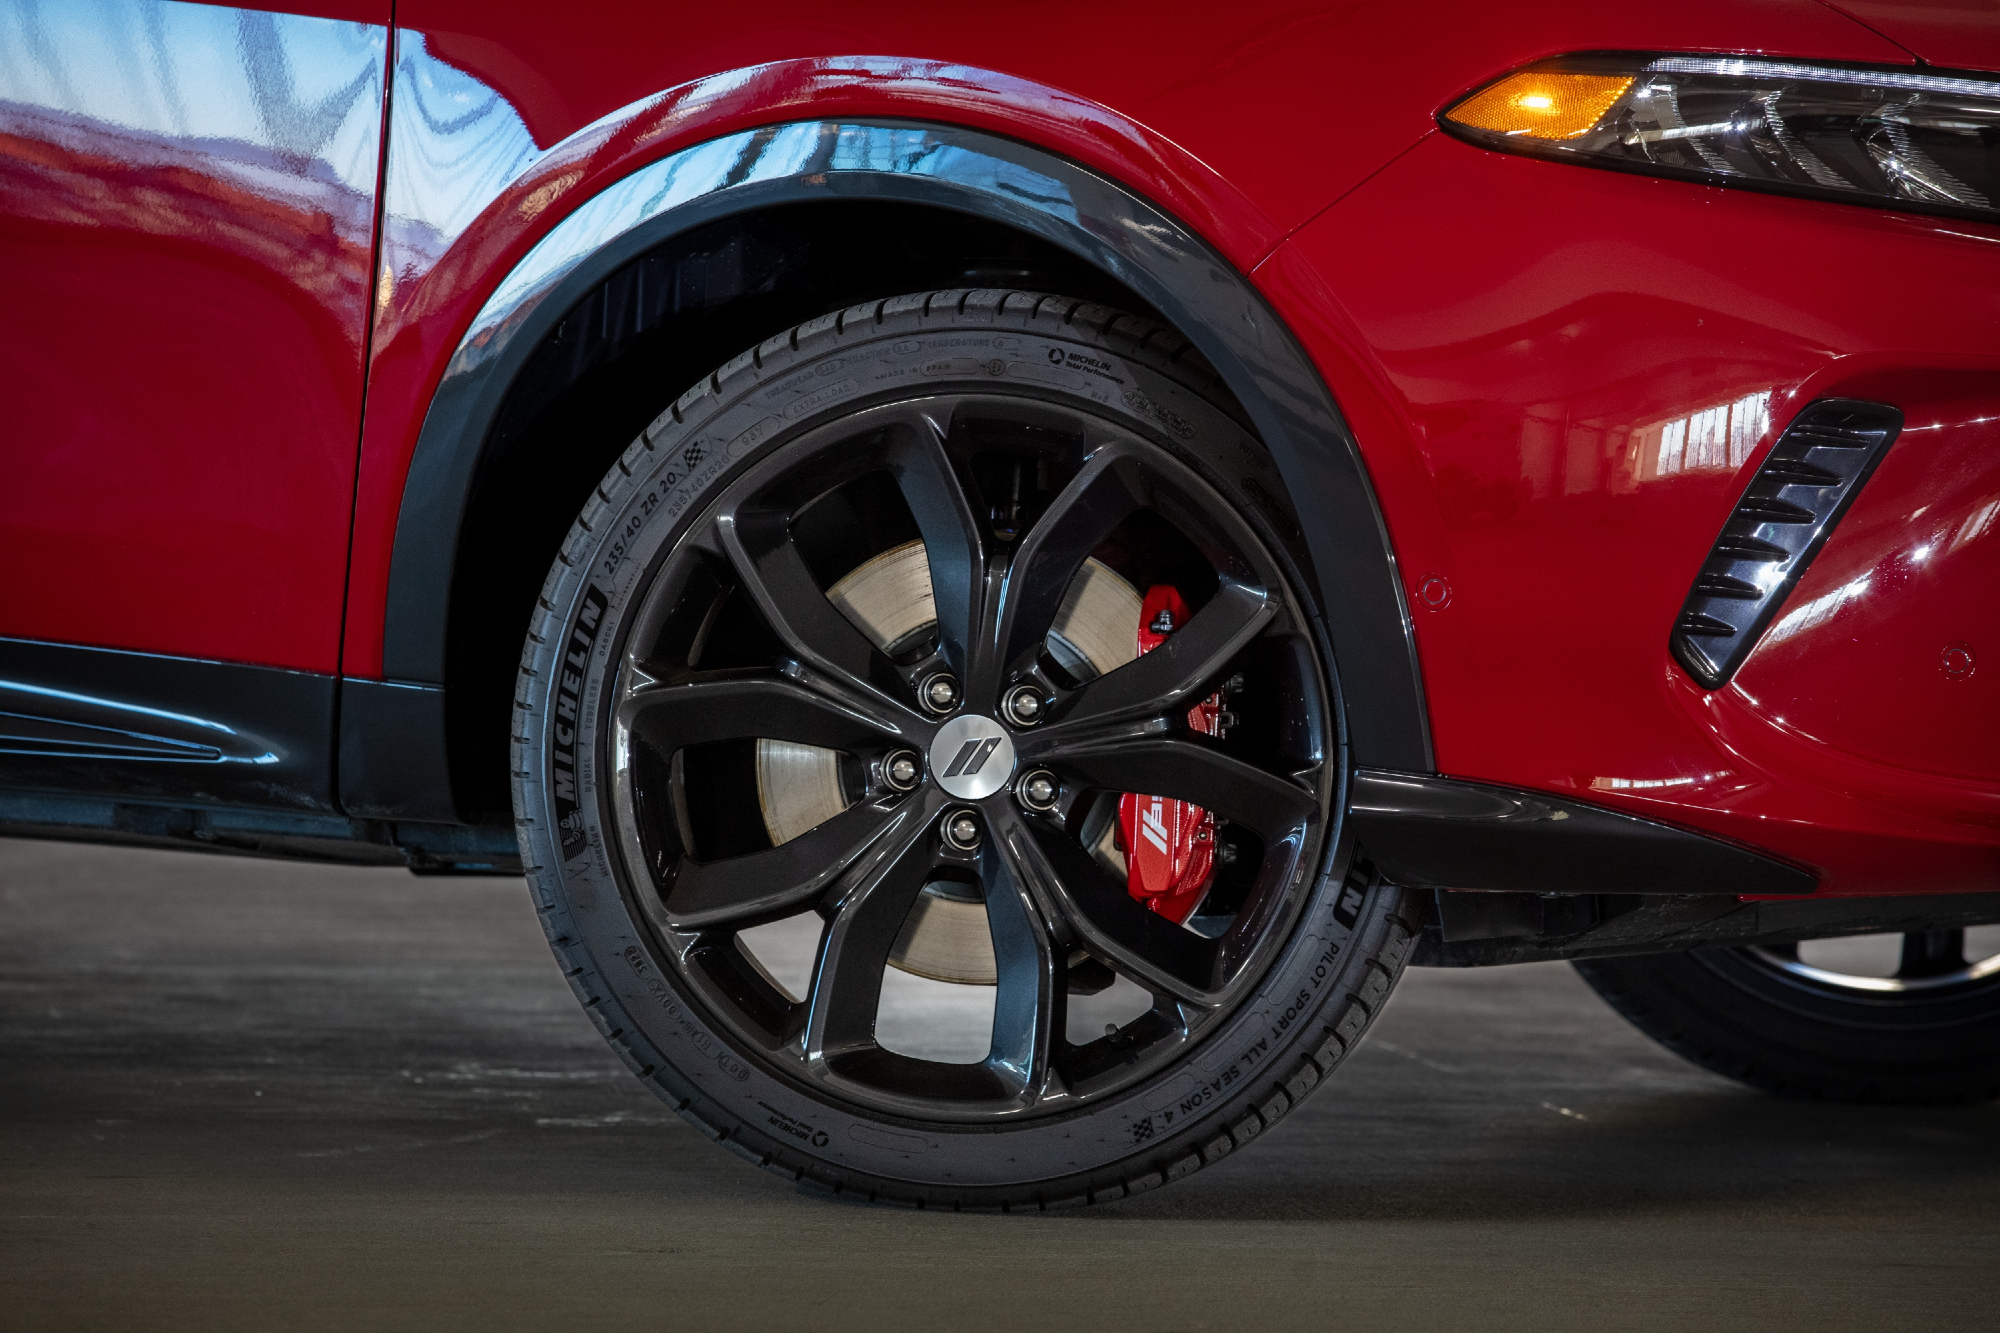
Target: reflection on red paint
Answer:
pixel 185 257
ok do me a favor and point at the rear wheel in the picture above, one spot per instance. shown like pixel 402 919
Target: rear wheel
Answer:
pixel 1882 1018
pixel 935 663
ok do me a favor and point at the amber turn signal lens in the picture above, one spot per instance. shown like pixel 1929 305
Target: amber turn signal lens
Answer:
pixel 1928 143
pixel 1548 105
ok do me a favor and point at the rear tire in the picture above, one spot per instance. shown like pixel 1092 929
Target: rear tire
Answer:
pixel 644 921
pixel 1931 1034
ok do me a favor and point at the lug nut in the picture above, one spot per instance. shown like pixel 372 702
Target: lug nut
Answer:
pixel 961 830
pixel 939 693
pixel 901 770
pixel 1024 705
pixel 1038 790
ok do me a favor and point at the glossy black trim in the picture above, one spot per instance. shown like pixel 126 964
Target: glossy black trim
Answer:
pixel 1078 211
pixel 143 726
pixel 1442 833
pixel 1787 511
pixel 1490 929
pixel 392 753
pixel 425 849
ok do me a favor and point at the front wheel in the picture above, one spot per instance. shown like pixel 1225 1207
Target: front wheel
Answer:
pixel 947 657
pixel 1884 1018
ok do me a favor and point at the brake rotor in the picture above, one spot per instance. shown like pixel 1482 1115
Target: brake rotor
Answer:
pixel 889 599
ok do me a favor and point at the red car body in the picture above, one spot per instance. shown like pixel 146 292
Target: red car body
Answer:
pixel 240 251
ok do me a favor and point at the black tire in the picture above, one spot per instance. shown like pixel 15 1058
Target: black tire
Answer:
pixel 1931 1034
pixel 1317 942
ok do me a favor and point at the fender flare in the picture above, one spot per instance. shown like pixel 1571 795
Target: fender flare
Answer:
pixel 1216 306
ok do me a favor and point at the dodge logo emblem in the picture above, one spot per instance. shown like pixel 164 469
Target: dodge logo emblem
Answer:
pixel 972 757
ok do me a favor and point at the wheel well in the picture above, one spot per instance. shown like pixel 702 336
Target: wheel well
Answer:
pixel 631 346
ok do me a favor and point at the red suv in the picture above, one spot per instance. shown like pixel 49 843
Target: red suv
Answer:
pixel 1002 576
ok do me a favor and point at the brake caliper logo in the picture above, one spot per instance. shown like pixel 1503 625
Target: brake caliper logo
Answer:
pixel 1169 845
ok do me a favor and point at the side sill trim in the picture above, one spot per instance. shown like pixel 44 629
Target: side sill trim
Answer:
pixel 426 849
pixel 392 751
pixel 148 727
pixel 1443 833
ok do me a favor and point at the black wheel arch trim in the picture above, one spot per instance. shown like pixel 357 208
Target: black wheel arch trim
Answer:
pixel 1083 213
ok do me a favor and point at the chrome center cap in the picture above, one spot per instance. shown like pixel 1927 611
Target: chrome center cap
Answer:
pixel 972 757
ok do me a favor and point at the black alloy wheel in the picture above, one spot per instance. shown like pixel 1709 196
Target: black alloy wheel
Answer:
pixel 1932 967
pixel 1924 1027
pixel 819 681
pixel 849 638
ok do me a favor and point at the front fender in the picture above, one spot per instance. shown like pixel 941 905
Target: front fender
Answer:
pixel 468 192
pixel 968 171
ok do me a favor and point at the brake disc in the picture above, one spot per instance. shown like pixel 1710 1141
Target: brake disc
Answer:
pixel 889 599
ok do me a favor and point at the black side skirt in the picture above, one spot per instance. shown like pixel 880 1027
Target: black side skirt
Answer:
pixel 148 727
pixel 103 745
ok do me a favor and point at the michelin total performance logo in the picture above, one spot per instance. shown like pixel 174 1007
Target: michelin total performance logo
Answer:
pixel 569 700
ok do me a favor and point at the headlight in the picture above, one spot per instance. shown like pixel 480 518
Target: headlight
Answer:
pixel 1925 142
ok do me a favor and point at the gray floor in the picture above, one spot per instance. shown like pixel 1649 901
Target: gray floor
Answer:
pixel 245 1095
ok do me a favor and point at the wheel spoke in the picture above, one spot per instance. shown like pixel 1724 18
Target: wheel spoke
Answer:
pixel 1146 948
pixel 744 890
pixel 875 897
pixel 953 533
pixel 735 707
pixel 1931 953
pixel 1110 486
pixel 1186 665
pixel 1030 1008
pixel 1191 770
pixel 775 578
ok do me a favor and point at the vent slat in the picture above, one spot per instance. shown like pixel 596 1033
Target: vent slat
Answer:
pixel 1722 585
pixel 1795 473
pixel 1750 548
pixel 1694 622
pixel 1768 509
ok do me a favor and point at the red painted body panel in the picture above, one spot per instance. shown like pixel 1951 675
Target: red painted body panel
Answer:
pixel 1957 34
pixel 185 260
pixel 1251 95
pixel 1230 127
pixel 1515 380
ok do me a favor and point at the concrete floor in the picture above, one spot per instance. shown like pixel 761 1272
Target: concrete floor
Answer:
pixel 249 1095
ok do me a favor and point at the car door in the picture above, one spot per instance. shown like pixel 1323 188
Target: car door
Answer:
pixel 187 208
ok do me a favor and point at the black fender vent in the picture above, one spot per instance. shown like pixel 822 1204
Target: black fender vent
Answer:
pixel 1812 474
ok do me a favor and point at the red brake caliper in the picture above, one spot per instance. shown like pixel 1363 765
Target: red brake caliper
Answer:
pixel 1169 844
